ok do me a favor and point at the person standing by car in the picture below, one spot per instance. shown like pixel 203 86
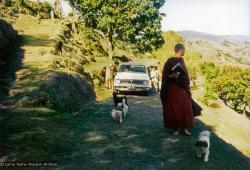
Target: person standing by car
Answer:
pixel 109 77
pixel 102 75
pixel 175 94
pixel 154 76
pixel 160 70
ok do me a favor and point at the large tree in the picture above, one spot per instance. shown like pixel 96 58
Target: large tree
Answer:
pixel 134 21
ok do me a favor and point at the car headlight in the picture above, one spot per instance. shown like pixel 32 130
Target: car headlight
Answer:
pixel 117 81
pixel 145 83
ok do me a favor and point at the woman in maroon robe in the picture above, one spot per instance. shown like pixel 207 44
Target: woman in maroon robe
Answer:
pixel 175 94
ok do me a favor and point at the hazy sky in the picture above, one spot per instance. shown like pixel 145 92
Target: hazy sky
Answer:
pixel 65 5
pixel 223 17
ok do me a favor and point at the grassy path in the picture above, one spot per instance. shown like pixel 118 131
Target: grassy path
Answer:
pixel 38 41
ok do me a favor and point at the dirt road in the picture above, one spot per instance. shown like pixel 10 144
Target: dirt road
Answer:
pixel 141 142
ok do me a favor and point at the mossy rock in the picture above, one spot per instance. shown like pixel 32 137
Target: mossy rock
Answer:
pixel 64 91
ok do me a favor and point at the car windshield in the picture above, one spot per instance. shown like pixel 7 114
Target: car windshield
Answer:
pixel 133 68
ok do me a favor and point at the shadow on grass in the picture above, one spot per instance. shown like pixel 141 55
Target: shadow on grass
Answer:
pixel 91 140
pixel 8 69
pixel 35 41
pixel 194 87
pixel 215 105
pixel 29 80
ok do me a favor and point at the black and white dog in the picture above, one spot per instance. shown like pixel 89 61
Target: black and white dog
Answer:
pixel 202 145
pixel 121 107
pixel 124 107
pixel 118 99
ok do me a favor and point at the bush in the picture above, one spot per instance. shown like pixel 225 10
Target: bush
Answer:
pixel 209 70
pixel 209 94
pixel 232 85
pixel 66 92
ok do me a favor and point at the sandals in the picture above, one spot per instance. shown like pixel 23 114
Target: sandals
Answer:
pixel 185 132
pixel 176 133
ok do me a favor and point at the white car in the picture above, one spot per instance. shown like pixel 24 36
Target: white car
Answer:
pixel 132 77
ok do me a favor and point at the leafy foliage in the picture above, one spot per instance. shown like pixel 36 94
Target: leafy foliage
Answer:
pixel 171 38
pixel 232 85
pixel 193 60
pixel 209 94
pixel 32 8
pixel 209 70
pixel 137 22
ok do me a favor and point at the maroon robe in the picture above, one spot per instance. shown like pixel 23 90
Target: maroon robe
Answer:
pixel 176 97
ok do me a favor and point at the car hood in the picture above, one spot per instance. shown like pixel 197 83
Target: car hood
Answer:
pixel 131 76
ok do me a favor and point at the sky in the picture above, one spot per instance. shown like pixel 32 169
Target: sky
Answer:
pixel 221 17
pixel 65 5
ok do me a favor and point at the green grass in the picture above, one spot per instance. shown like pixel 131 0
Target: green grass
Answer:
pixel 34 134
pixel 38 41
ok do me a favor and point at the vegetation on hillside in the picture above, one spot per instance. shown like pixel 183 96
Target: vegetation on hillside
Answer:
pixel 233 86
pixel 83 42
pixel 37 83
pixel 229 83
pixel 40 9
pixel 226 53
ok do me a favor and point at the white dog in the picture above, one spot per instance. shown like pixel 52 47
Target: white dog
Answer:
pixel 116 114
pixel 202 145
pixel 120 111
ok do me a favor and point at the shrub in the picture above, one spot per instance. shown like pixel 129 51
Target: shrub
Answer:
pixel 64 91
pixel 209 94
pixel 232 85
pixel 209 70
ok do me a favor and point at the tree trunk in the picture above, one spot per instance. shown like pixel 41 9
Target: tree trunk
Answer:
pixel 194 84
pixel 110 42
pixel 110 48
pixel 244 109
pixel 235 106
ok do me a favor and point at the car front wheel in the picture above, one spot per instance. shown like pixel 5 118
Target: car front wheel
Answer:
pixel 147 93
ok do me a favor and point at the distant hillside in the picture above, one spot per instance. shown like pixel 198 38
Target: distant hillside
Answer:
pixel 232 50
pixel 193 35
